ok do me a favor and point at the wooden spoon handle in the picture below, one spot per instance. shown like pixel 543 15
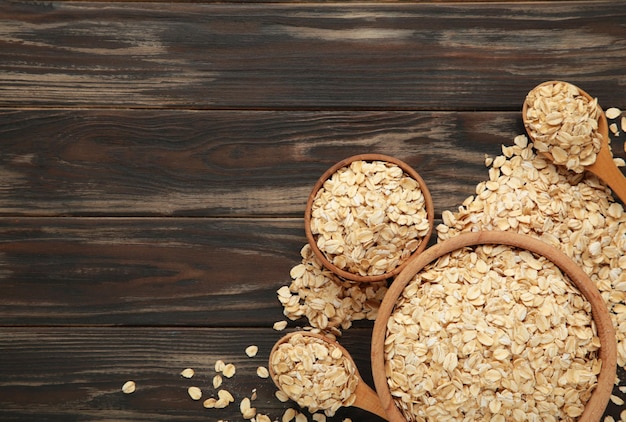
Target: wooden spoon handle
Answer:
pixel 367 399
pixel 607 171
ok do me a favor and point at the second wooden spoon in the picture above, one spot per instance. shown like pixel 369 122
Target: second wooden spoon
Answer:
pixel 604 167
pixel 366 397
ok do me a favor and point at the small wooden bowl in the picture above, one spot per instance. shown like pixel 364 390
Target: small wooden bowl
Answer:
pixel 312 239
pixel 608 347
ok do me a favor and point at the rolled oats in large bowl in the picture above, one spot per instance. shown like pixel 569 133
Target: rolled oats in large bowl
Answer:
pixel 367 215
pixel 493 326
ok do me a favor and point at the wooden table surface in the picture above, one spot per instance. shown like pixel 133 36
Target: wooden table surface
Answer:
pixel 156 160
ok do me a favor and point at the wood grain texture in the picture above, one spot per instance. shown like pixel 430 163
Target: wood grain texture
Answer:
pixel 76 374
pixel 172 272
pixel 463 56
pixel 226 163
pixel 157 156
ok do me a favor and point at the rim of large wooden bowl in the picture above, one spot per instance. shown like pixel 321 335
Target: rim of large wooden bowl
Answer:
pixel 608 349
pixel 312 239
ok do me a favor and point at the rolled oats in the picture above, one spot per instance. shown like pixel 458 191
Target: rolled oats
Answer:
pixel 129 387
pixel 252 350
pixel 613 112
pixel 325 299
pixel 187 373
pixel 195 393
pixel 369 217
pixel 575 213
pixel 312 373
pixel 525 349
pixel 564 124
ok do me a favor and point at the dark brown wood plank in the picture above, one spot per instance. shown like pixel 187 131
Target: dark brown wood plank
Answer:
pixel 146 271
pixel 76 374
pixel 457 56
pixel 61 374
pixel 225 163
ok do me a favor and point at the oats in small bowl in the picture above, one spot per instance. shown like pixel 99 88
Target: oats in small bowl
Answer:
pixel 367 215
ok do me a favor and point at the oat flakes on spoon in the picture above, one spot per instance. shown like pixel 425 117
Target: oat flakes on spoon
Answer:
pixel 569 127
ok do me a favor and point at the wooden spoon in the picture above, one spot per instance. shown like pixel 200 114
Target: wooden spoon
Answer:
pixel 366 397
pixel 603 167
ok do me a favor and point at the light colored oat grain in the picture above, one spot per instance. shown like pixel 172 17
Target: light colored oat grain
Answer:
pixel 219 365
pixel 613 113
pixel 564 124
pixel 260 417
pixel 280 325
pixel 311 374
pixel 246 409
pixel 281 396
pixel 318 417
pixel 222 403
pixel 209 403
pixel 229 370
pixel 369 217
pixel 262 372
pixel 289 415
pixel 252 350
pixel 187 373
pixel 614 129
pixel 575 213
pixel 329 302
pixel 622 416
pixel 446 351
pixel 195 393
pixel 225 395
pixel 129 387
pixel 617 400
pixel 217 381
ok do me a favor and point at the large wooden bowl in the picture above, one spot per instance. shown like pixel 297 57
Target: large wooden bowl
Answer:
pixel 312 239
pixel 608 349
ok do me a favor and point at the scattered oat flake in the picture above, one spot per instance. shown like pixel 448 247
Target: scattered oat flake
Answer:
pixel 613 113
pixel 623 123
pixel 187 373
pixel 225 395
pixel 229 370
pixel 262 372
pixel 280 325
pixel 617 400
pixel 252 350
pixel 209 403
pixel 281 396
pixel 614 129
pixel 129 387
pixel 219 365
pixel 217 381
pixel 195 393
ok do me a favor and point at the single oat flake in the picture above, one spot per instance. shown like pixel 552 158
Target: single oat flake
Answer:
pixel 129 387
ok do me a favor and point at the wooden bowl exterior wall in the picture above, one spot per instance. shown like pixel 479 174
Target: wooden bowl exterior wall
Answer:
pixel 312 240
pixel 608 349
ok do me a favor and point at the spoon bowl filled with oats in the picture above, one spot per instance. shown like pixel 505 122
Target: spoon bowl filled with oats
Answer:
pixel 493 326
pixel 367 215
pixel 318 373
pixel 568 126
